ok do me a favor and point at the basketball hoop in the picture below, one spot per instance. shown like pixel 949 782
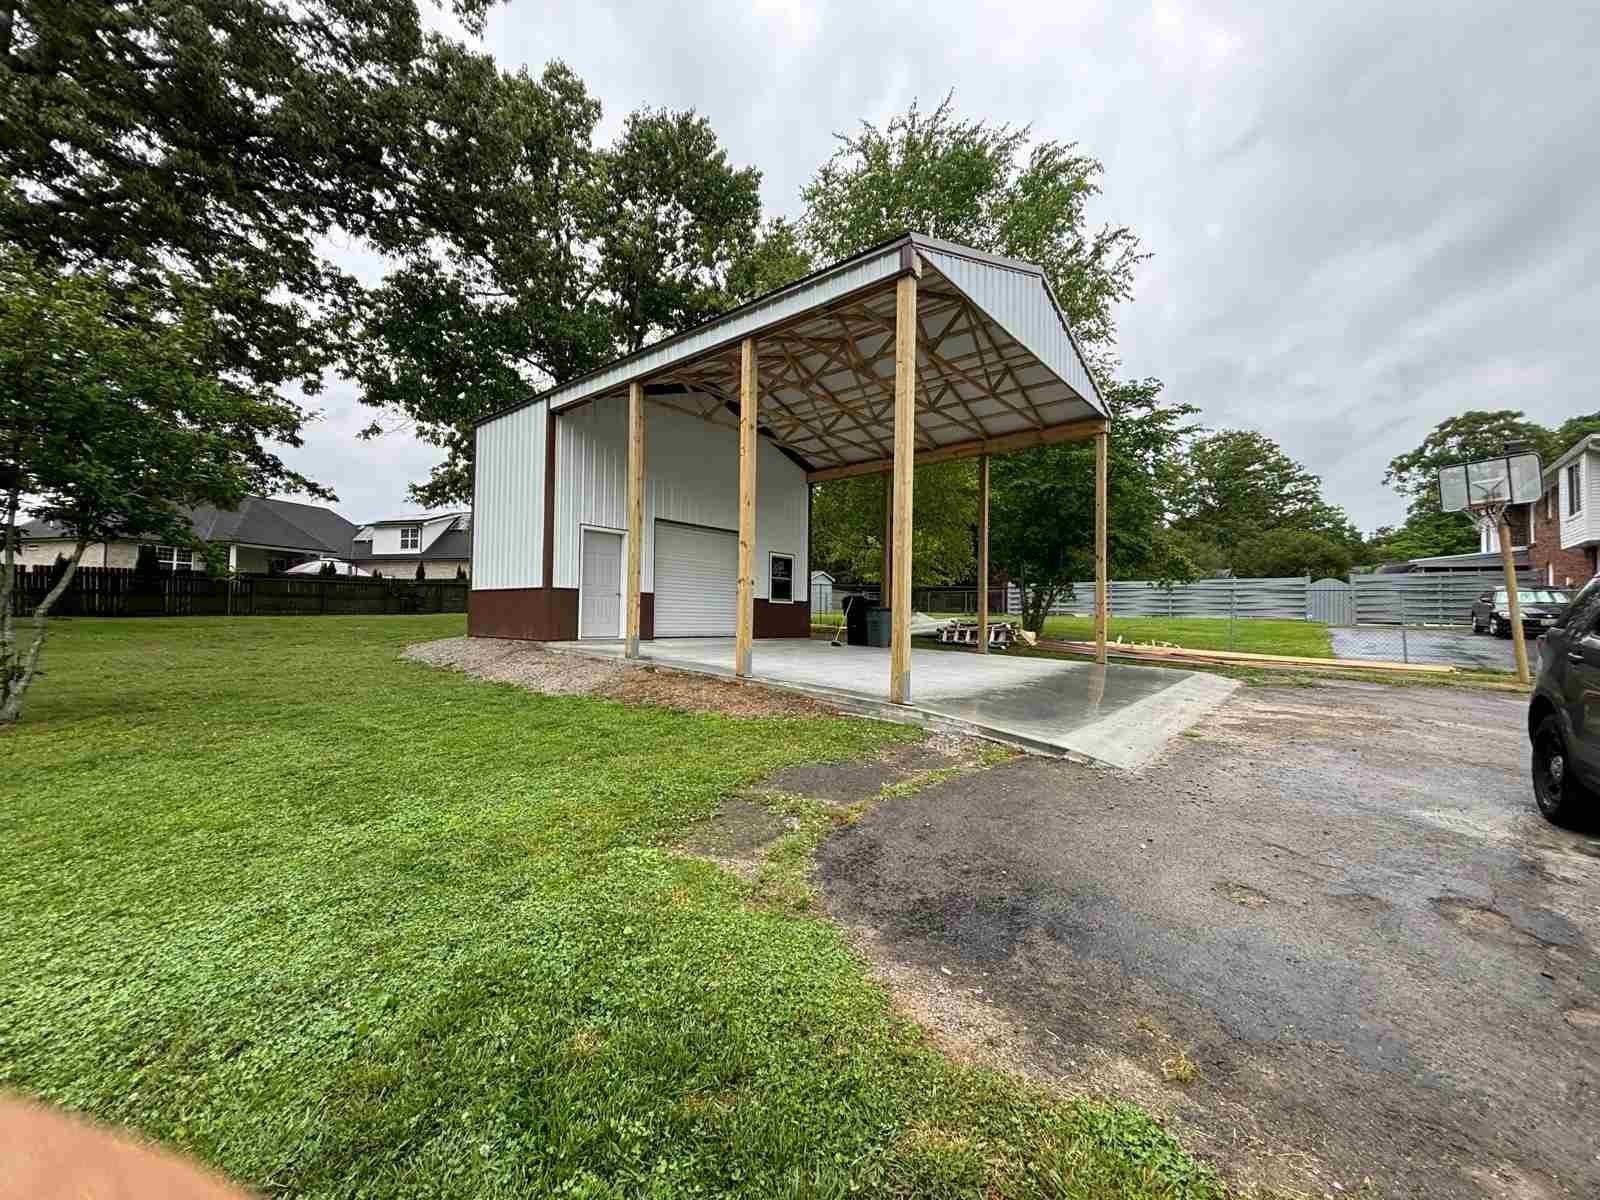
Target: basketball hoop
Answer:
pixel 1483 490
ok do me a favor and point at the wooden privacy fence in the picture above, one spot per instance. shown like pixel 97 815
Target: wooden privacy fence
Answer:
pixel 116 592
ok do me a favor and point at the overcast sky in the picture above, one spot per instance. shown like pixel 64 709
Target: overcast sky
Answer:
pixel 1363 217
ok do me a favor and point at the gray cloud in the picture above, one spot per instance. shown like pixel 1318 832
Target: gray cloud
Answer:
pixel 1364 217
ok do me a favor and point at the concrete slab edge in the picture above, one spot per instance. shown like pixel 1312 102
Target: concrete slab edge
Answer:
pixel 857 706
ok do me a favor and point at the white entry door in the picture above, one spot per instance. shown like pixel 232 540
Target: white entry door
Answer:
pixel 600 591
pixel 697 581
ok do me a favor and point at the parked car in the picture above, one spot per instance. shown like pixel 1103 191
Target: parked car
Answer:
pixel 1566 742
pixel 1491 611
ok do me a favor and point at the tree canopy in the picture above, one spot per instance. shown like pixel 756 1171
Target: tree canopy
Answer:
pixel 201 152
pixel 847 525
pixel 984 185
pixel 1041 519
pixel 1238 485
pixel 1474 434
pixel 580 253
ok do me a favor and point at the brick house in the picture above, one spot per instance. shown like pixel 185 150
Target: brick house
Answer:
pixel 1561 531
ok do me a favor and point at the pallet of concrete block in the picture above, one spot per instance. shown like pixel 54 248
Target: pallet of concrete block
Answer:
pixel 965 633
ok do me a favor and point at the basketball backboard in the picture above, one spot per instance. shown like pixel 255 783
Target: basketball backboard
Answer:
pixel 1509 479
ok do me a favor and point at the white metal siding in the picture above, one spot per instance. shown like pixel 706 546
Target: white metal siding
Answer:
pixel 508 501
pixel 691 476
pixel 697 581
pixel 1019 301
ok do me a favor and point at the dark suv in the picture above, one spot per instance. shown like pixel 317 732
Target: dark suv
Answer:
pixel 1566 743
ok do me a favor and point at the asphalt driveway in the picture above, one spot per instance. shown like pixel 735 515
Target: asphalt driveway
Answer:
pixel 1445 647
pixel 1337 903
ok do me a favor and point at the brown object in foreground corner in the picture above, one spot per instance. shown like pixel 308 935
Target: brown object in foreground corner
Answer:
pixel 47 1155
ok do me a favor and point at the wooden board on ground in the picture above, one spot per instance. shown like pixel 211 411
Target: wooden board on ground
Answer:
pixel 1240 659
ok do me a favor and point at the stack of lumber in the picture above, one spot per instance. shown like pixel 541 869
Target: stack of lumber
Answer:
pixel 1233 658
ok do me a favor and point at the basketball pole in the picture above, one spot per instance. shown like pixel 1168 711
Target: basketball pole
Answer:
pixel 1519 640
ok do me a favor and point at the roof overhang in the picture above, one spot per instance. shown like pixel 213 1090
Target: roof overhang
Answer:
pixel 997 367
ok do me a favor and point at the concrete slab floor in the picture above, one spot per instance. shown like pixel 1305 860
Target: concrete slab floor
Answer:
pixel 1117 714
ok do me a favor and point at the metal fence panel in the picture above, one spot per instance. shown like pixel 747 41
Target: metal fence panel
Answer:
pixel 1442 599
pixel 1283 598
pixel 1331 601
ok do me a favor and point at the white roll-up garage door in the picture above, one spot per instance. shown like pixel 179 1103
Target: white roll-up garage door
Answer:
pixel 697 581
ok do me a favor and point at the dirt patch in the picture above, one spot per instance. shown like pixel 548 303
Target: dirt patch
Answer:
pixel 739 829
pixel 698 693
pixel 530 665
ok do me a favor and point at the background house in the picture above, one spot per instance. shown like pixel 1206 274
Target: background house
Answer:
pixel 262 535
pixel 1560 533
pixel 442 543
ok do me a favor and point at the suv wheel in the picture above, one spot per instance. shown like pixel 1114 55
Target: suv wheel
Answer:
pixel 1477 627
pixel 1555 785
pixel 1498 627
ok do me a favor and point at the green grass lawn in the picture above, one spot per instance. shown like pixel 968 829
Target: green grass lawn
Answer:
pixel 345 925
pixel 1250 635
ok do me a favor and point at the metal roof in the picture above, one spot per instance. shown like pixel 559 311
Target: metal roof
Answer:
pixel 995 358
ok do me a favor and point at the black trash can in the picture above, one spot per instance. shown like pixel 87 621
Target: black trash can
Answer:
pixel 879 626
pixel 855 620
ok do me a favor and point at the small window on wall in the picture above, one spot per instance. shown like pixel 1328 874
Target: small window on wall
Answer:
pixel 411 537
pixel 1574 489
pixel 175 558
pixel 780 580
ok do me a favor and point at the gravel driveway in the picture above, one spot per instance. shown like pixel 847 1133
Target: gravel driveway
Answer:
pixel 1447 647
pixel 1335 906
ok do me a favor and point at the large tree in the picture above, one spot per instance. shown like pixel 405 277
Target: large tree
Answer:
pixel 981 184
pixel 199 151
pixel 1474 434
pixel 109 429
pixel 1238 486
pixel 580 253
pixel 993 187
pixel 847 522
pixel 1471 435
pixel 1043 502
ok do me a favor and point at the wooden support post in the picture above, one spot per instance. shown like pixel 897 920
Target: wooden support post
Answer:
pixel 1519 643
pixel 884 594
pixel 1102 445
pixel 983 554
pixel 749 383
pixel 635 514
pixel 905 416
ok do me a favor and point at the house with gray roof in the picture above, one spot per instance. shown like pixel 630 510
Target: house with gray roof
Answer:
pixel 440 543
pixel 262 535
